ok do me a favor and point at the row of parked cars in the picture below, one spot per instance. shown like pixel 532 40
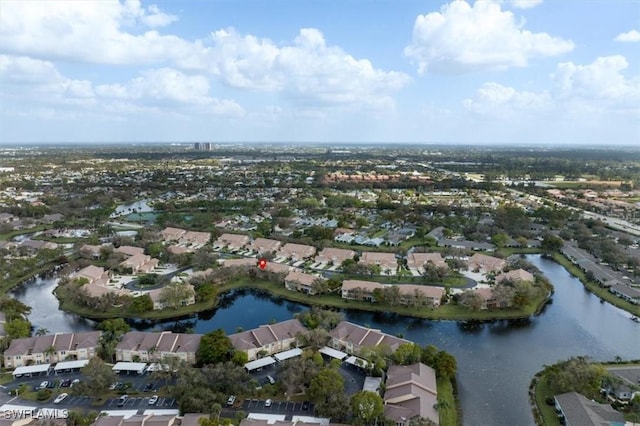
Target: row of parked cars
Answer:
pixel 64 383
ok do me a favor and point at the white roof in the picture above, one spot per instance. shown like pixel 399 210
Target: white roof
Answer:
pixel 71 364
pixel 259 363
pixel 39 368
pixel 288 354
pixel 124 413
pixel 372 384
pixel 307 419
pixel 333 353
pixel 161 412
pixel 358 362
pixel 129 366
pixel 270 418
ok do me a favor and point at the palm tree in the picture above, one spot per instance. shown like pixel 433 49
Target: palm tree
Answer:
pixel 216 409
pixel 42 331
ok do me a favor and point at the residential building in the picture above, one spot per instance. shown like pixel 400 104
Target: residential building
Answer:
pixel 265 245
pixel 93 274
pixel 351 338
pixel 418 260
pixel 129 250
pixel 93 251
pixel 194 238
pixel 153 347
pixel 578 410
pixel 411 391
pixel 231 241
pixel 515 275
pixel 268 339
pixel 364 290
pixel 383 260
pixel 159 303
pixel 486 264
pixel 334 256
pixel 140 263
pixel 296 251
pixel 299 281
pixel 51 348
pixel 172 234
pixel 626 292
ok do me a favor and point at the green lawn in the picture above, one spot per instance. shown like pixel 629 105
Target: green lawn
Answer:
pixel 542 392
pixel 449 414
pixel 10 235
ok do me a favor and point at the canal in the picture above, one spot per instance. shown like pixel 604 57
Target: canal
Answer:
pixel 496 361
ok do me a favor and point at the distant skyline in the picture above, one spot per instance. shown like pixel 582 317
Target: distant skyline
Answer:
pixel 334 71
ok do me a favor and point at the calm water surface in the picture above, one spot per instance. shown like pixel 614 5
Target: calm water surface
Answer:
pixel 496 361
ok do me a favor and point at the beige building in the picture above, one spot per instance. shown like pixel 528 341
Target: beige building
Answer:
pixel 360 290
pixel 93 274
pixel 299 281
pixel 265 245
pixel 158 303
pixel 486 264
pixel 418 260
pixel 154 347
pixel 351 338
pixel 51 348
pixel 516 275
pixel 268 339
pixel 334 256
pixel 364 290
pixel 410 391
pixel 129 250
pixel 296 251
pixel 383 260
pixel 140 264
pixel 232 241
pixel 172 234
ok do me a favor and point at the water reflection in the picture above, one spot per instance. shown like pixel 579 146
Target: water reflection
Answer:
pixel 496 360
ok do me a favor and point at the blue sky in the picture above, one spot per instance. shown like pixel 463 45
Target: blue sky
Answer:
pixel 503 71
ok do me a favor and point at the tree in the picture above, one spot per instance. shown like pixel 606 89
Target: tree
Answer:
pixel 97 378
pixel 174 295
pixel 18 328
pixel 320 318
pixel 407 354
pixel 240 358
pixel 367 407
pixel 214 347
pixel 471 300
pixel 446 364
pixel 551 243
pixel 42 331
pixel 141 304
pixel 112 330
pixel 328 381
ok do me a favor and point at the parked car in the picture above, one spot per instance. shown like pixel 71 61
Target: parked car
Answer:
pixel 305 405
pixel 44 384
pixel 231 400
pixel 271 380
pixel 52 384
pixel 65 383
pixel 75 382
pixel 153 399
pixel 267 403
pixel 148 387
pixel 60 398
pixel 123 400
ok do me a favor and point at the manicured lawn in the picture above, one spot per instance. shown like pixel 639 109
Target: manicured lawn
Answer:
pixel 548 412
pixel 594 287
pixel 449 414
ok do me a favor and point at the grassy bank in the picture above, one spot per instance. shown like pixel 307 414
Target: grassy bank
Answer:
pixel 446 312
pixel 595 287
pixel 448 411
pixel 543 413
pixel 11 283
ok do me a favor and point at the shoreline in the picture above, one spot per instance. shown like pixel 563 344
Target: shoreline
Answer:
pixel 330 301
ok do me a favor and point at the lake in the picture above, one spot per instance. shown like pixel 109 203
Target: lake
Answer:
pixel 496 361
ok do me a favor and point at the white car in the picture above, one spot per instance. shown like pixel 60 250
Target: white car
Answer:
pixel 267 403
pixel 44 384
pixel 153 399
pixel 60 398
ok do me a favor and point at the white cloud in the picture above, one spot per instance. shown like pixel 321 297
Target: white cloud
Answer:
pixel 630 36
pixel 494 98
pixel 30 82
pixel 600 80
pixel 596 88
pixel 88 31
pixel 306 71
pixel 464 38
pixel 524 4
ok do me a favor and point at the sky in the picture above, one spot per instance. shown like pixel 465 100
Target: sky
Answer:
pixel 337 71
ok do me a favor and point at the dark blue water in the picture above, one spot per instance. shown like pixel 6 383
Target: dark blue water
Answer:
pixel 496 361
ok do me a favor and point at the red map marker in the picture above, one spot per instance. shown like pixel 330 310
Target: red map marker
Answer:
pixel 262 263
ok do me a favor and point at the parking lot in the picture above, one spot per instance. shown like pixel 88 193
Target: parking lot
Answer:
pixel 140 402
pixel 278 407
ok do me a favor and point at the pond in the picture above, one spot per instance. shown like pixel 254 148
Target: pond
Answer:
pixel 496 360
